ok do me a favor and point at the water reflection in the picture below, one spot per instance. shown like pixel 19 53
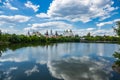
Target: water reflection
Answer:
pixel 67 61
pixel 116 65
pixel 81 68
pixel 33 70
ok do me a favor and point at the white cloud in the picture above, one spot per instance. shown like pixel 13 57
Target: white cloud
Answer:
pixel 42 15
pixel 83 32
pixel 116 20
pixel 30 5
pixel 2 22
pixel 102 32
pixel 90 29
pixel 8 5
pixel 61 26
pixel 106 23
pixel 81 10
pixel 50 25
pixel 94 32
pixel 15 18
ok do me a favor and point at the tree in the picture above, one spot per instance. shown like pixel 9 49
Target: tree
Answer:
pixel 14 38
pixel 117 30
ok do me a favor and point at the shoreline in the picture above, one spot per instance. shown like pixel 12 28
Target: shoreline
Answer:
pixel 46 43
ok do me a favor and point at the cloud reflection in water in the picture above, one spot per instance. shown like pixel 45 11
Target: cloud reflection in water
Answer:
pixel 68 61
pixel 79 68
pixel 33 70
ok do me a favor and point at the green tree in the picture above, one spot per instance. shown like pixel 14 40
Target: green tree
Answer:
pixel 117 30
pixel 14 39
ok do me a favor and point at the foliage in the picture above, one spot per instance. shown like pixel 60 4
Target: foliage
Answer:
pixel 13 38
pixel 116 55
pixel 117 30
pixel 101 38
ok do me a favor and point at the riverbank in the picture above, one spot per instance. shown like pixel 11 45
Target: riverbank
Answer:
pixel 100 42
pixel 6 39
pixel 55 41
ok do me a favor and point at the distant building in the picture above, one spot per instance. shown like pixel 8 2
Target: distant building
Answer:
pixel 51 34
pixel 56 33
pixel 28 33
pixel 47 34
pixel 68 33
pixel 36 33
pixel 0 32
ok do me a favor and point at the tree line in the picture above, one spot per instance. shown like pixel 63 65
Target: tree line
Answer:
pixel 14 38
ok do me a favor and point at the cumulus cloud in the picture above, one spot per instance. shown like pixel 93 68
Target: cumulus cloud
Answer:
pixel 61 26
pixel 30 5
pixel 106 23
pixel 94 32
pixel 10 30
pixel 8 5
pixel 50 25
pixel 102 32
pixel 81 10
pixel 15 18
pixel 2 22
pixel 42 15
pixel 90 29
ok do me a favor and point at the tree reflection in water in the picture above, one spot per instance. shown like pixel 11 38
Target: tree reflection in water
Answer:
pixel 13 47
pixel 116 65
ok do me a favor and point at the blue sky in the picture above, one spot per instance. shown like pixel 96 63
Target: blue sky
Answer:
pixel 82 16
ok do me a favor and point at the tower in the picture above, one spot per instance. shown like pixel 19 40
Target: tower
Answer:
pixel 46 33
pixel 51 33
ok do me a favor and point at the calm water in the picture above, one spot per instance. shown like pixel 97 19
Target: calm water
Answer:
pixel 63 61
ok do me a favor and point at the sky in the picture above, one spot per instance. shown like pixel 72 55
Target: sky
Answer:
pixel 81 16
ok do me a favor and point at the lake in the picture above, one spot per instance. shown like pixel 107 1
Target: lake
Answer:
pixel 62 61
